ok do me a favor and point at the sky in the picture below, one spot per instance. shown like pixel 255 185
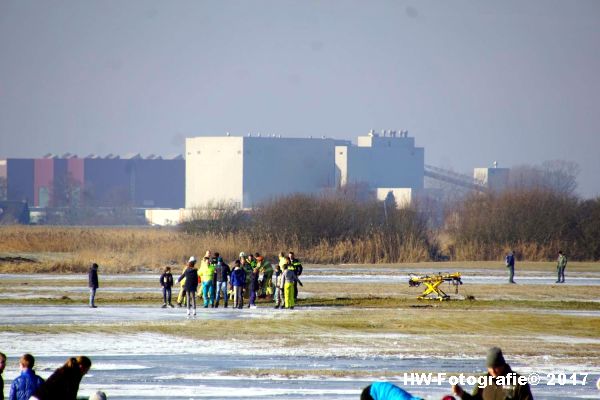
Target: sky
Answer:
pixel 474 82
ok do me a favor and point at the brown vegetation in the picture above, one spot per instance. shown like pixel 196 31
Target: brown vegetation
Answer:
pixel 535 224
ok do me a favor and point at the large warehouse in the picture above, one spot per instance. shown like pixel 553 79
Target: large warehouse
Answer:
pixel 245 171
pixel 108 181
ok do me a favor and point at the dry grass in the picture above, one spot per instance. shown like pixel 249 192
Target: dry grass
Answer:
pixel 122 250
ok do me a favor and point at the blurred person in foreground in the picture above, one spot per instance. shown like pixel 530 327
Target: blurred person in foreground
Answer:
pixel 63 384
pixel 27 382
pixel 386 391
pixel 501 383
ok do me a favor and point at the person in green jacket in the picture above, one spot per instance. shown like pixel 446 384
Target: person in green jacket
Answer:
pixel 265 270
pixel 560 267
pixel 501 382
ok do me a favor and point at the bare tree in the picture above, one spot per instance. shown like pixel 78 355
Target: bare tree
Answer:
pixel 559 176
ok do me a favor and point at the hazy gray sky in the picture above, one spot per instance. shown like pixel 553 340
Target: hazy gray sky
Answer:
pixel 473 81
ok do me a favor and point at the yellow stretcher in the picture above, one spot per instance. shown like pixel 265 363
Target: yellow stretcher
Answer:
pixel 432 285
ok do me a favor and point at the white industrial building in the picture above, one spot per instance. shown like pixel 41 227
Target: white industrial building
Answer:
pixel 390 160
pixel 494 179
pixel 245 171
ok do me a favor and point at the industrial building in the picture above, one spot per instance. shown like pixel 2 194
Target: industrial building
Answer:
pixel 245 171
pixel 493 179
pixel 61 181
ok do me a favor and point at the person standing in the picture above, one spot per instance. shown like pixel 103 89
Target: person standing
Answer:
pixel 166 281
pixel 253 288
pixel 222 272
pixel 2 365
pixel 181 296
pixel 510 264
pixel 560 267
pixel 289 281
pixel 63 384
pixel 238 281
pixel 265 276
pixel 25 384
pixel 191 284
pixel 295 265
pixel 208 276
pixel 93 283
pixel 277 282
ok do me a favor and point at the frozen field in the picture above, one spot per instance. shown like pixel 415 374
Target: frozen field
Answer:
pixel 132 359
pixel 154 366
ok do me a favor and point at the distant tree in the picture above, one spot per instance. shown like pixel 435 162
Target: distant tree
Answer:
pixel 556 175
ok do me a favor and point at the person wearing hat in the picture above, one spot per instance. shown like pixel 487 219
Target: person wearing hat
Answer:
pixel 386 391
pixel 497 367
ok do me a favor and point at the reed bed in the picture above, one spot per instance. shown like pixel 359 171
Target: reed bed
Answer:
pixel 29 249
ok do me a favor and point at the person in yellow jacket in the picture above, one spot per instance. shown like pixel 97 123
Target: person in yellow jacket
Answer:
pixel 181 297
pixel 289 279
pixel 282 260
pixel 209 278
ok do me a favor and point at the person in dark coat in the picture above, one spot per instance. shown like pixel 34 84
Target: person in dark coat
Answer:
pixel 166 281
pixel 253 287
pixel 222 272
pixel 93 283
pixel 191 284
pixel 238 281
pixel 25 384
pixel 509 261
pixel 63 384
pixel 497 367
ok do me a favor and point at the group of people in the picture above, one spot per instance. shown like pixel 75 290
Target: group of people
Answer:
pixel 62 384
pixel 561 264
pixel 250 276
